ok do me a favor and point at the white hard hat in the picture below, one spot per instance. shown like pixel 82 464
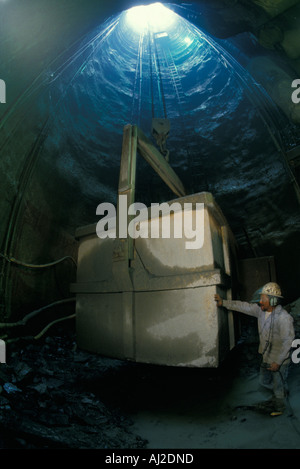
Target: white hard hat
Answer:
pixel 271 289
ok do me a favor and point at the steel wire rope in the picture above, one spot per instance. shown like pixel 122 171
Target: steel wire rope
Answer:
pixel 151 75
pixel 138 72
pixel 161 139
pixel 173 72
pixel 159 78
pixel 141 79
pixel 153 58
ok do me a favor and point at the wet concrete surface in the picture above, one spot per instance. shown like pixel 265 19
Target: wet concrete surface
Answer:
pixel 220 418
pixel 198 409
pixel 54 395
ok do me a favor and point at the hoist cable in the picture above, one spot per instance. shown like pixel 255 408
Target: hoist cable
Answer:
pixel 151 75
pixel 138 73
pixel 180 96
pixel 141 75
pixel 160 81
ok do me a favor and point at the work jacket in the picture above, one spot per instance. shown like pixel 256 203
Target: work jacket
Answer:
pixel 277 329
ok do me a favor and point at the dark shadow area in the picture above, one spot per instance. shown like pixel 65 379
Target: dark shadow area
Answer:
pixel 54 395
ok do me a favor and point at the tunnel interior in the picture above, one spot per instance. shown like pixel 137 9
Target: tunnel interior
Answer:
pixel 77 72
pixel 73 74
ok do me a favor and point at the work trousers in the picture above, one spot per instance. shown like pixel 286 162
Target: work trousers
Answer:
pixel 275 380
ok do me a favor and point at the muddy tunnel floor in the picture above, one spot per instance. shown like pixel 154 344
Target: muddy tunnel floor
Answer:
pixel 54 395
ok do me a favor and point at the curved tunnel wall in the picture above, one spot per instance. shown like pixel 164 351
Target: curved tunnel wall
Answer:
pixel 61 143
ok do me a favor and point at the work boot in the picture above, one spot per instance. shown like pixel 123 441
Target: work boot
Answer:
pixel 279 404
pixel 266 406
pixel 272 406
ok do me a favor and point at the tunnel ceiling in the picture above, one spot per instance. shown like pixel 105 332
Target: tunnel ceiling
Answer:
pixel 76 73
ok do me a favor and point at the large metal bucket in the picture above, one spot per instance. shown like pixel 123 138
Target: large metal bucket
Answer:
pixel 151 299
pixel 160 307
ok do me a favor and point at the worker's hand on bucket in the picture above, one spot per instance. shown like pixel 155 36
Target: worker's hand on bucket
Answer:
pixel 274 367
pixel 219 300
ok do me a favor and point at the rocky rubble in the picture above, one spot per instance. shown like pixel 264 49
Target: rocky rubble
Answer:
pixel 49 398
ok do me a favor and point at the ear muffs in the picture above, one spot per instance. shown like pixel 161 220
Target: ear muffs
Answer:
pixel 273 300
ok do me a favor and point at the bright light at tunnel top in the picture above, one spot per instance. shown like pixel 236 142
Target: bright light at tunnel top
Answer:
pixel 156 16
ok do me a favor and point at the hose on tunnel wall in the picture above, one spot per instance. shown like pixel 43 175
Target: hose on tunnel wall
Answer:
pixel 33 154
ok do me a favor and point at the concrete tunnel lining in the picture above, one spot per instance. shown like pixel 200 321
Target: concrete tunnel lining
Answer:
pixel 69 92
pixel 54 133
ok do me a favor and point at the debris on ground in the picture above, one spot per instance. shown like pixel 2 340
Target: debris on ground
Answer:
pixel 49 398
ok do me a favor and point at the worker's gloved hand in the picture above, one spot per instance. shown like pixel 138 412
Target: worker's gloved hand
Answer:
pixel 219 300
pixel 274 367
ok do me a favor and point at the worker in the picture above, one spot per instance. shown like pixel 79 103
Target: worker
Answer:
pixel 276 334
